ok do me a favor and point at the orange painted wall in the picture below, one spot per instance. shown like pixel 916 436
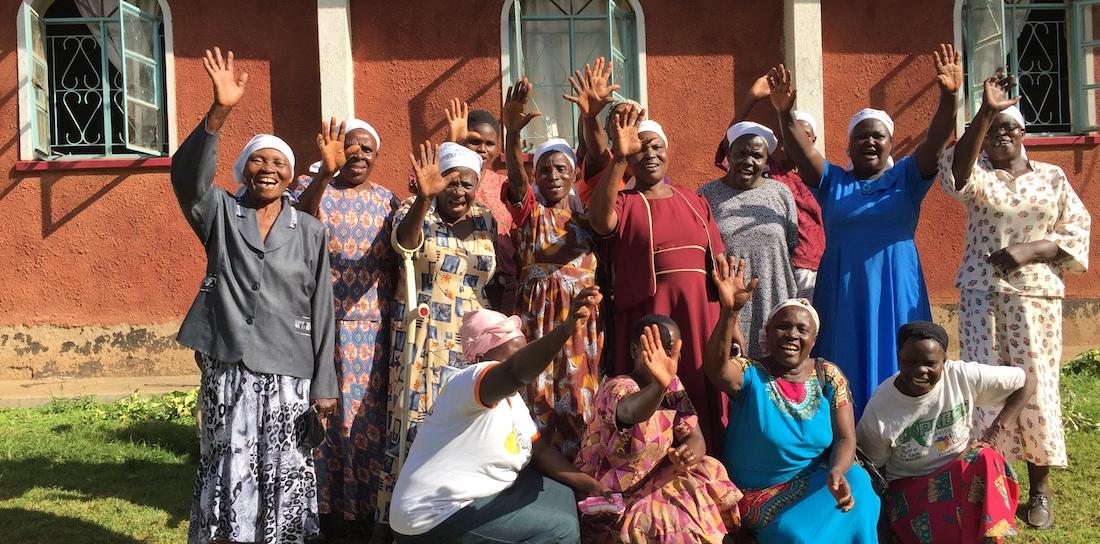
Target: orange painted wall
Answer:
pixel 105 247
pixel 868 61
pixel 110 247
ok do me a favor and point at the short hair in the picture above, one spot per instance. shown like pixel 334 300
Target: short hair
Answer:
pixel 481 117
pixel 665 326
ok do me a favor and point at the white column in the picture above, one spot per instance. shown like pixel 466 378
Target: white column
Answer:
pixel 802 55
pixel 335 63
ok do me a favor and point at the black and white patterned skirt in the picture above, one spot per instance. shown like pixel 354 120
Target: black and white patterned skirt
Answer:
pixel 255 482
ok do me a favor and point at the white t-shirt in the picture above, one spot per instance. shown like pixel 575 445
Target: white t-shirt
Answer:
pixel 915 436
pixel 463 451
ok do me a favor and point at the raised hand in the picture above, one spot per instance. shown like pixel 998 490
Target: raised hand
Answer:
pixel 842 492
pixel 330 142
pixel 429 181
pixel 996 92
pixel 625 133
pixel 949 72
pixel 228 85
pixel 515 114
pixel 782 93
pixel 729 276
pixel 660 364
pixel 760 88
pixel 458 113
pixel 583 306
pixel 593 93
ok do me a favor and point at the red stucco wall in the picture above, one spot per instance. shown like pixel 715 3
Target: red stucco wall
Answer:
pixel 105 247
pixel 868 61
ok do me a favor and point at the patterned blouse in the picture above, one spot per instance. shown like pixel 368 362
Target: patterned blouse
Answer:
pixel 1003 210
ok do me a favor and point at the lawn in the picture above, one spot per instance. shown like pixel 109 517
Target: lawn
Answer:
pixel 80 472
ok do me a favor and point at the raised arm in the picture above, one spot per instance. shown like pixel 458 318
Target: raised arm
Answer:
pixel 949 78
pixel 593 94
pixel 330 142
pixel 994 100
pixel 515 118
pixel 1014 404
pixel 194 162
pixel 429 183
pixel 601 209
pixel 458 121
pixel 810 163
pixel 519 370
pixel 759 91
pixel 661 365
pixel 733 294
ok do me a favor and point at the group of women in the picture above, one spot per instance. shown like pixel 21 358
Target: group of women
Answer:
pixel 659 348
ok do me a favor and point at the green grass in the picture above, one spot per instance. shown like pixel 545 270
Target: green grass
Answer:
pixel 78 472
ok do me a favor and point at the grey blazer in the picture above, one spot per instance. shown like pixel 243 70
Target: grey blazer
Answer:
pixel 267 304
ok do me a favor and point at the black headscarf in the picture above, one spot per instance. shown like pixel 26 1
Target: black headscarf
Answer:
pixel 922 330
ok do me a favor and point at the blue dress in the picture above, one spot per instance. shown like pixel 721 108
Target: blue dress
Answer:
pixel 870 281
pixel 777 452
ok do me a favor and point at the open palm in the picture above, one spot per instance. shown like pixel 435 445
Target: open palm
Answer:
pixel 228 85
pixel 949 72
pixel 783 93
pixel 729 277
pixel 429 181
pixel 625 133
pixel 515 112
pixel 996 93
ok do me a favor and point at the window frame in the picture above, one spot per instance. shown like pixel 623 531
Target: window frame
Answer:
pixel 26 96
pixel 509 65
pixel 1083 119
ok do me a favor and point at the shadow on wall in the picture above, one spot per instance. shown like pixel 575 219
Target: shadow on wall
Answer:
pixel 904 144
pixel 425 121
pixel 28 527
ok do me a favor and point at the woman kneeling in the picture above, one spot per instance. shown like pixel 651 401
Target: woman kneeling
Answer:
pixel 645 443
pixel 918 425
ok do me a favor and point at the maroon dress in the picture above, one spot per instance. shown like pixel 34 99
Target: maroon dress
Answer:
pixel 662 257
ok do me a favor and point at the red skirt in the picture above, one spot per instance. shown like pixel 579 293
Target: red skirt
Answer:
pixel 967 501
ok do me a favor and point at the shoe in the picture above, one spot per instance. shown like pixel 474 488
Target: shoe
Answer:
pixel 1039 513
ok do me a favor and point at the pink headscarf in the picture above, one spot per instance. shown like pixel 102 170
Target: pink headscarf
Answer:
pixel 483 330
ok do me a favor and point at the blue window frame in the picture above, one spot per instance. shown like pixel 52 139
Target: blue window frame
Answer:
pixel 550 39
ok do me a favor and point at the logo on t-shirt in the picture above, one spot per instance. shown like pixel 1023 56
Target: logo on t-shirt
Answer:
pixel 942 432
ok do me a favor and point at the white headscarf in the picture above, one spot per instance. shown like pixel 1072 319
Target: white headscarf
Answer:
pixel 1018 116
pixel 452 155
pixel 350 125
pixel 748 127
pixel 801 303
pixel 258 142
pixel 872 113
pixel 650 125
pixel 554 145
pixel 805 118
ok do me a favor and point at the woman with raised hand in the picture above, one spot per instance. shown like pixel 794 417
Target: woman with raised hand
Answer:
pixel 663 241
pixel 480 132
pixel 870 280
pixel 791 442
pixel 449 240
pixel 1026 227
pixel 357 213
pixel 557 255
pixel 479 470
pixel 262 329
pixel 758 219
pixel 644 442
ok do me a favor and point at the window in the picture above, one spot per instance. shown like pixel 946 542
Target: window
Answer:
pixel 547 40
pixel 1048 46
pixel 95 84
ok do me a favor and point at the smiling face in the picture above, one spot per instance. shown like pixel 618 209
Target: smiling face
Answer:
pixel 484 139
pixel 920 366
pixel 1005 139
pixel 360 164
pixel 267 174
pixel 554 176
pixel 456 199
pixel 650 164
pixel 748 157
pixel 869 147
pixel 790 336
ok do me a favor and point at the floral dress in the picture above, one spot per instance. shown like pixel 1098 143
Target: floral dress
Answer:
pixel 1016 318
pixel 558 259
pixel 663 505
pixel 450 274
pixel 363 265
